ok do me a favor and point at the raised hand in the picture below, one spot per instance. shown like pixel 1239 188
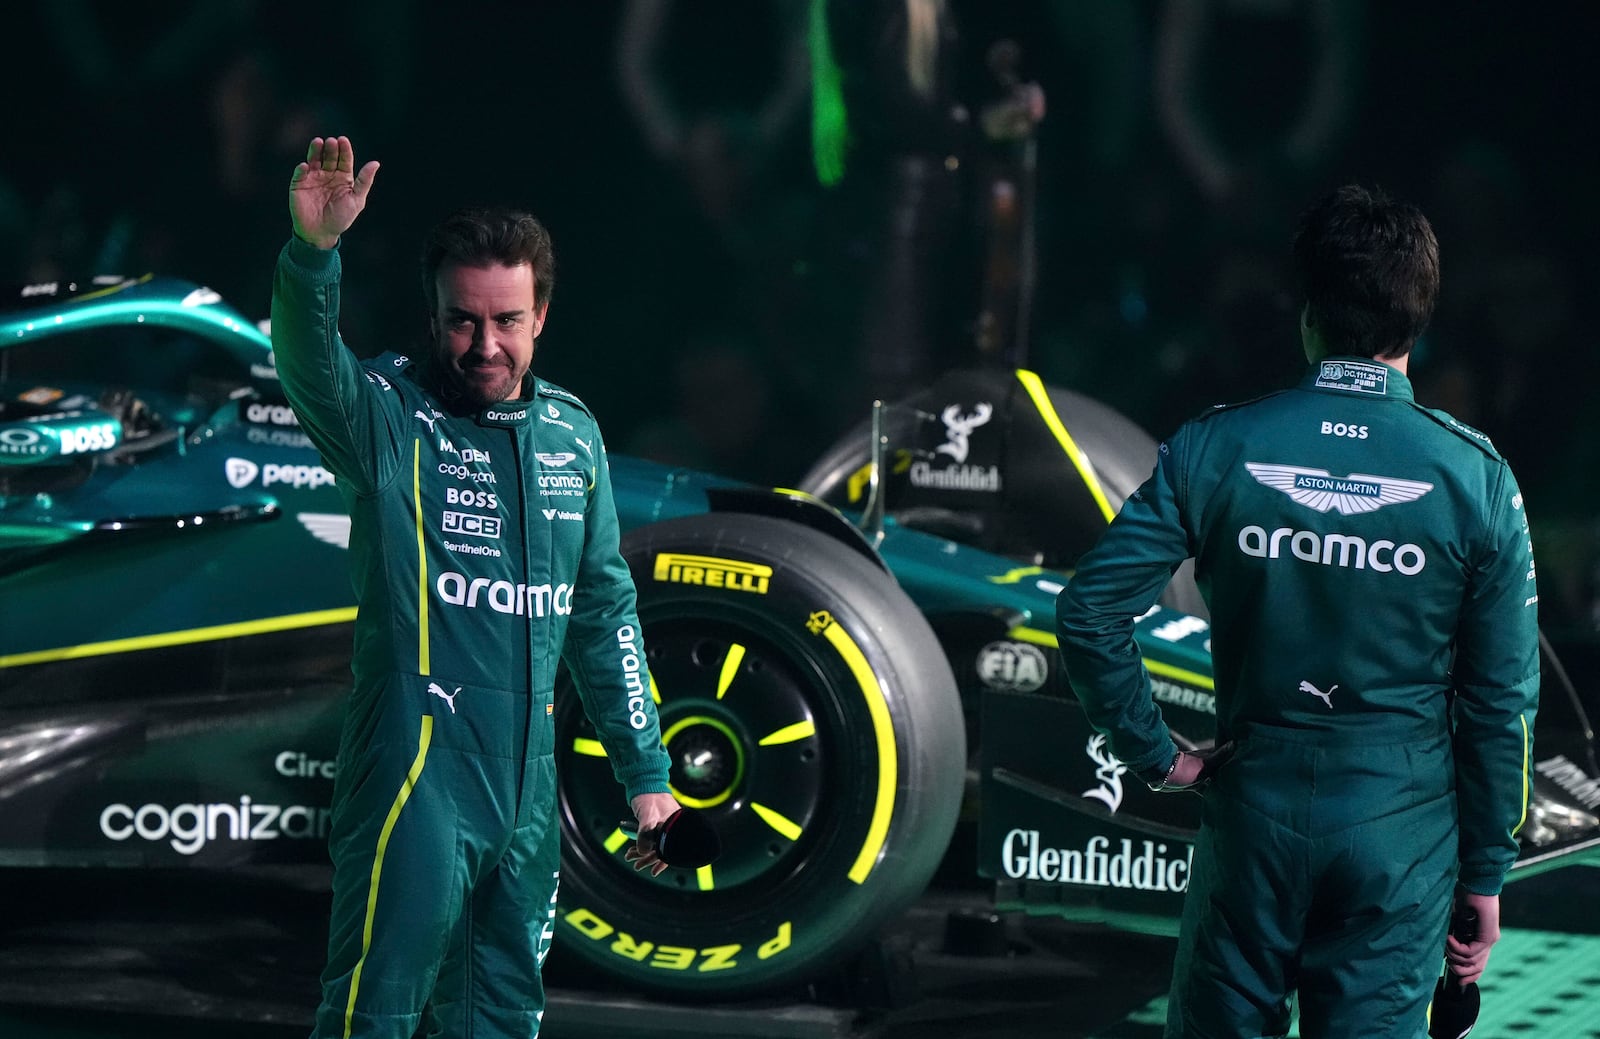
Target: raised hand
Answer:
pixel 326 194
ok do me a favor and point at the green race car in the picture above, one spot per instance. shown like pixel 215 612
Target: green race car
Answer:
pixel 856 678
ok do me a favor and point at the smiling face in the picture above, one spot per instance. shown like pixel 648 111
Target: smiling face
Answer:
pixel 485 322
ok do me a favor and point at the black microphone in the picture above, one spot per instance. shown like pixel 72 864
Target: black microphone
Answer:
pixel 685 839
pixel 1455 1005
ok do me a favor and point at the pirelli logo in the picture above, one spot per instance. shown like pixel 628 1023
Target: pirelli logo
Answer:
pixel 713 572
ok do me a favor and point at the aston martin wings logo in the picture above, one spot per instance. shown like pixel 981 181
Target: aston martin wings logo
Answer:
pixel 332 527
pixel 1321 490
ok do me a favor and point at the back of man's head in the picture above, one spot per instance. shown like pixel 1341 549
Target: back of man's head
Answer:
pixel 1369 268
pixel 483 236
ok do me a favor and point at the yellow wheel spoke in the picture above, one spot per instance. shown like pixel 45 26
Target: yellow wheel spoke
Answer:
pixel 703 875
pixel 789 734
pixel 730 668
pixel 785 826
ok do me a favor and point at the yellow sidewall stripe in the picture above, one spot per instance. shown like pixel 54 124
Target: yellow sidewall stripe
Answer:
pixel 265 625
pixel 1080 461
pixel 1155 667
pixel 400 799
pixel 422 560
pixel 888 760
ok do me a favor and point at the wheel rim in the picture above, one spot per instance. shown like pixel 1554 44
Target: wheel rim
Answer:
pixel 752 744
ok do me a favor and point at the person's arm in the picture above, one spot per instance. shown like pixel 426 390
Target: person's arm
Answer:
pixel 321 378
pixel 1496 680
pixel 1115 583
pixel 604 648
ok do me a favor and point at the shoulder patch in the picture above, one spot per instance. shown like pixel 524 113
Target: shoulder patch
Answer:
pixel 1217 409
pixel 384 367
pixel 390 363
pixel 550 389
pixel 1464 431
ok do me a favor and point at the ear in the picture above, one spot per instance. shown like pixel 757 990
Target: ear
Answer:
pixel 538 318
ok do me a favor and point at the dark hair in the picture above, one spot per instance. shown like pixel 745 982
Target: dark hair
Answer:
pixel 481 236
pixel 1369 268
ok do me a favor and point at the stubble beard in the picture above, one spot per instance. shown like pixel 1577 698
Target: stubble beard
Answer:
pixel 474 393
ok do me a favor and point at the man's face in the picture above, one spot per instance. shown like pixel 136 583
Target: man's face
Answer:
pixel 484 327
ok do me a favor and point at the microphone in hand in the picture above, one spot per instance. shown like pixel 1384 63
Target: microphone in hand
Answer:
pixel 685 839
pixel 1455 1005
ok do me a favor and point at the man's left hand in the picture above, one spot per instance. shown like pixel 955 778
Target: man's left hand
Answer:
pixel 1194 767
pixel 652 811
pixel 1468 960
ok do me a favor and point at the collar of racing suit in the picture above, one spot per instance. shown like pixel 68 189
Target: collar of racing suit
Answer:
pixel 1358 376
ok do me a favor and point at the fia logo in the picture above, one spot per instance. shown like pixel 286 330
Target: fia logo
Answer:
pixel 1108 771
pixel 449 698
pixel 819 622
pixel 958 427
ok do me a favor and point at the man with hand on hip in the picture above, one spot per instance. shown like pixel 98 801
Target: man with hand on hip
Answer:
pixel 1374 640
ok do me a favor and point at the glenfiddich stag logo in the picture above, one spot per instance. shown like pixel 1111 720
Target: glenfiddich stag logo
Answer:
pixel 1108 771
pixel 959 427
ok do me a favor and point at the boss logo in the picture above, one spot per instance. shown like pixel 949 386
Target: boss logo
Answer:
pixel 99 437
pixel 1343 429
pixel 471 499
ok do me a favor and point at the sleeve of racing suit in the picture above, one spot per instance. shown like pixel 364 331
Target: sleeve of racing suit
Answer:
pixel 1116 583
pixel 322 379
pixel 605 649
pixel 1497 692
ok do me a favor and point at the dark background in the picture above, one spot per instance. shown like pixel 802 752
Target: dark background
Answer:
pixel 715 320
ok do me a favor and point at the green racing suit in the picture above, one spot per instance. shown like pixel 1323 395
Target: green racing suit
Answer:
pixel 484 551
pixel 1374 639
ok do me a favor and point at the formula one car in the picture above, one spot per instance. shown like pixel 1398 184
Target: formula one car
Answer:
pixel 856 678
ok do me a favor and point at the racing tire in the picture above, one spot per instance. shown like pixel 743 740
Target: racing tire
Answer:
pixel 812 718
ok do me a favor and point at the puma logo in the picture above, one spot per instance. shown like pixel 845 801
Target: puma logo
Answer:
pixel 429 419
pixel 449 698
pixel 1327 697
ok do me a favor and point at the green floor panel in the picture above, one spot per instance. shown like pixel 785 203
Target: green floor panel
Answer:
pixel 1539 984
